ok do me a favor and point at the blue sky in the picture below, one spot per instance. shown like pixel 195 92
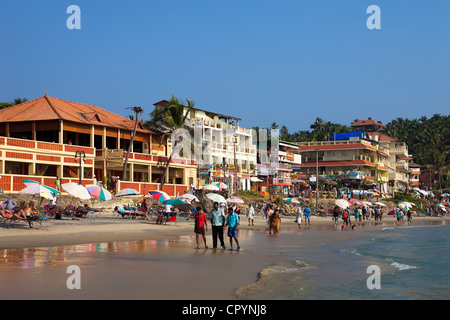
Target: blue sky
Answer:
pixel 264 61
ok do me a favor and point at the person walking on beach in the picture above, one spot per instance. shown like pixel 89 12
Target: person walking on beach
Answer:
pixel 299 218
pixel 336 216
pixel 409 217
pixel 275 222
pixel 232 223
pixel 201 226
pixel 217 218
pixel 307 215
pixel 250 214
pixel 345 215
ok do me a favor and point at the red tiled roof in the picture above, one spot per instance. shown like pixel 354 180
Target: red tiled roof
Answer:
pixel 379 136
pixel 350 146
pixel 367 122
pixel 338 163
pixel 49 108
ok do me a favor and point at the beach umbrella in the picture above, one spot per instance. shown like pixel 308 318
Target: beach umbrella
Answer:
pixel 98 192
pixel 39 190
pixel 76 190
pixel 220 185
pixel 28 183
pixel 366 203
pixel 292 200
pixel 210 187
pixel 235 200
pixel 356 203
pixel 175 202
pixel 216 197
pixel 161 196
pixel 380 204
pixel 344 204
pixel 445 195
pixel 189 197
pixel 440 205
pixel 409 204
pixel 127 192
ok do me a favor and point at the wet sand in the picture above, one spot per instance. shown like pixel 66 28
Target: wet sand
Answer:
pixel 127 259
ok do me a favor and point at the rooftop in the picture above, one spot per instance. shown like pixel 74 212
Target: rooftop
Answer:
pixel 50 108
pixel 380 136
pixel 368 122
pixel 164 102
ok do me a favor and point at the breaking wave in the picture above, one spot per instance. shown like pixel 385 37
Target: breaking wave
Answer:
pixel 270 278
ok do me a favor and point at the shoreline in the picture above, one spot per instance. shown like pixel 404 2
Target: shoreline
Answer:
pixel 105 229
pixel 104 249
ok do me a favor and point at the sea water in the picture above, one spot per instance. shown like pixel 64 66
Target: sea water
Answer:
pixel 414 263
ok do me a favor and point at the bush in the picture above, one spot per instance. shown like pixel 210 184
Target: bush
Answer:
pixel 249 193
pixel 278 200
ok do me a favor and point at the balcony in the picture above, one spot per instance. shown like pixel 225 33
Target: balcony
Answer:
pixel 34 146
pixel 399 150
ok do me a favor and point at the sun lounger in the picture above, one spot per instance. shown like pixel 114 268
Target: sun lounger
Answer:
pixel 124 213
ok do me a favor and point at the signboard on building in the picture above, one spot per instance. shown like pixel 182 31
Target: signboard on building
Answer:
pixel 114 158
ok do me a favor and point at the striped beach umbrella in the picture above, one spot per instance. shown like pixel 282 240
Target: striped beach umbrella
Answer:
pixel 291 200
pixel 220 185
pixel 98 192
pixel 235 200
pixel 189 197
pixel 39 190
pixel 175 202
pixel 210 187
pixel 28 183
pixel 161 196
pixel 216 197
pixel 127 192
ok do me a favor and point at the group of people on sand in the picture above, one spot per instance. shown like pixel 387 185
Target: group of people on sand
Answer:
pixel 219 221
pixel 9 211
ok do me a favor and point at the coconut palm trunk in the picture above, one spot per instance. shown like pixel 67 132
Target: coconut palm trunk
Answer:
pixel 137 111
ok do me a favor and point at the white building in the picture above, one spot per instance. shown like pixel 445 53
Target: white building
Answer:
pixel 226 147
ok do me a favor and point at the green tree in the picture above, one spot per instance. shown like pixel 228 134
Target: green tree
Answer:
pixel 4 105
pixel 167 120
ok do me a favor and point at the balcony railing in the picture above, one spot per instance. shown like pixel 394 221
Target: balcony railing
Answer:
pixel 44 146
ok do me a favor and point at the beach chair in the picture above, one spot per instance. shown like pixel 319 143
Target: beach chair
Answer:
pixel 123 213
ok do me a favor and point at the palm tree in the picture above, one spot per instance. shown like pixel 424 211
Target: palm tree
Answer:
pixel 438 162
pixel 137 111
pixel 167 120
pixel 318 125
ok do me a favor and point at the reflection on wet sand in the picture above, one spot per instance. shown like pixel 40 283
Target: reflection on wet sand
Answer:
pixel 52 256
